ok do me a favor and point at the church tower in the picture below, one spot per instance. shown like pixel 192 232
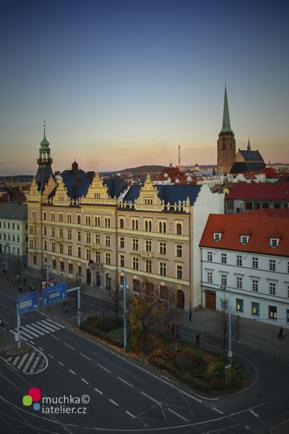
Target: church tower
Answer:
pixel 44 162
pixel 226 141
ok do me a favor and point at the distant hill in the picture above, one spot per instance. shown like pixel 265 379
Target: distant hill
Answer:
pixel 143 169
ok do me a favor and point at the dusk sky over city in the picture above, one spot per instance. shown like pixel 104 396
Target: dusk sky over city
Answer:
pixel 122 83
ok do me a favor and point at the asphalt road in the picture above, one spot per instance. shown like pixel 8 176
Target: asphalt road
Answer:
pixel 123 397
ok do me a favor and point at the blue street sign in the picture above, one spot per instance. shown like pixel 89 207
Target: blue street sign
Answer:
pixel 54 294
pixel 28 302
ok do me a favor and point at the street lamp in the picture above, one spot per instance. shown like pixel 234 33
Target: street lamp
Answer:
pixel 125 311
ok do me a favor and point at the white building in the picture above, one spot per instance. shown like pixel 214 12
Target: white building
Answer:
pixel 13 228
pixel 245 264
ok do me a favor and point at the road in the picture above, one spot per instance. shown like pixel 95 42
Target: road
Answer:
pixel 123 396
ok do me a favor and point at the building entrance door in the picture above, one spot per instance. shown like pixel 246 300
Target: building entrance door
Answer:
pixel 88 276
pixel 210 299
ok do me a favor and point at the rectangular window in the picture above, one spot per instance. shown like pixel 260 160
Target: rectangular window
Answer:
pixel 97 221
pixel 97 257
pixel 87 220
pixel 69 234
pixel 272 265
pixel 44 216
pixel 78 219
pixel 135 263
pixel 87 237
pixel 179 272
pixel 52 217
pixel 239 282
pixel 79 271
pixel 69 250
pixel 61 233
pixel 272 312
pixel 148 266
pixel 224 280
pixel 121 242
pixel 97 239
pixel 239 305
pixel 70 268
pixel 179 249
pixel 53 264
pixel 88 256
pixel 69 218
pixel 163 248
pixel 121 261
pixel 239 261
pixel 255 308
pixel 134 244
pixel 62 266
pixel 60 217
pixel 162 227
pixel 148 225
pixel 163 268
pixel 179 229
pixel 107 258
pixel 136 285
pixel 255 285
pixel 53 247
pixel 134 224
pixel 34 260
pixel 107 241
pixel 121 223
pixel 44 231
pixel 148 245
pixel 78 236
pixel 61 248
pixel 210 256
pixel 209 277
pixel 255 262
pixel 224 258
pixel 107 222
pixel 272 288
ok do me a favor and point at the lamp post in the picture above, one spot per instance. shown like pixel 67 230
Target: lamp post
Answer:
pixel 125 311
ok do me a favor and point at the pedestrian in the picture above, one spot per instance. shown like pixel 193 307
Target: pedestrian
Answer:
pixel 281 333
pixel 198 340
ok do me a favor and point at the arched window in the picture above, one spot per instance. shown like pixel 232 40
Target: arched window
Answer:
pixel 179 229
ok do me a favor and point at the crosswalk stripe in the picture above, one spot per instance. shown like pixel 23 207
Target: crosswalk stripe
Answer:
pixel 50 325
pixel 14 333
pixel 23 360
pixel 29 331
pixel 9 359
pixel 29 361
pixel 26 335
pixel 46 328
pixel 35 363
pixel 56 323
pixel 35 329
pixel 15 361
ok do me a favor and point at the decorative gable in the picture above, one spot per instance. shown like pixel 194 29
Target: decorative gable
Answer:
pixel 34 194
pixel 97 193
pixel 148 197
pixel 61 195
pixel 49 187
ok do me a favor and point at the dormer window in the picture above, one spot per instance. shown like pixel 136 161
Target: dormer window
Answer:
pixel 274 242
pixel 217 236
pixel 148 201
pixel 244 239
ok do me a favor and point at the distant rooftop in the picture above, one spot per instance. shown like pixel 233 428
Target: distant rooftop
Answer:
pixel 13 211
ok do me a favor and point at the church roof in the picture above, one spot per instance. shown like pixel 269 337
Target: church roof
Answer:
pixel 167 193
pixel 249 155
pixel 226 125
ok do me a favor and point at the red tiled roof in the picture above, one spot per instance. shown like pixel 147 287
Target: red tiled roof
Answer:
pixel 270 212
pixel 261 227
pixel 260 191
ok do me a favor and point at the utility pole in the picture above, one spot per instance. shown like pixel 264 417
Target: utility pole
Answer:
pixel 124 313
pixel 47 271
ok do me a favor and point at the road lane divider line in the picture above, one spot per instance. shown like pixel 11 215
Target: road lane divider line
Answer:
pixel 51 356
pixel 85 356
pixel 130 414
pixel 84 381
pixel 104 368
pixel 69 346
pixel 113 402
pixel 179 415
pixel 60 363
pixel 125 382
pixel 217 410
pixel 55 337
pixel 98 391
pixel 72 372
pixel 254 413
pixel 149 397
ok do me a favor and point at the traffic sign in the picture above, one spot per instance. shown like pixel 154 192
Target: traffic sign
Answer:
pixel 54 294
pixel 28 302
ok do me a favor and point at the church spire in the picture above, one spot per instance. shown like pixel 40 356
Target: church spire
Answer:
pixel 226 125
pixel 249 145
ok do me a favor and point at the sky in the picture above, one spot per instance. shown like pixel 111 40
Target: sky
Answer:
pixel 121 83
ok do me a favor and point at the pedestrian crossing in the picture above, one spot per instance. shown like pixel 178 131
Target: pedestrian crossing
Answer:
pixel 32 362
pixel 37 329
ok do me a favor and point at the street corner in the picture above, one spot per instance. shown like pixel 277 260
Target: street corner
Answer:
pixel 29 360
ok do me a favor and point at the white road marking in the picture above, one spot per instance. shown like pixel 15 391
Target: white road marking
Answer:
pixel 86 357
pixel 69 346
pixel 37 329
pixel 71 371
pixel 125 382
pixel 41 349
pixel 51 356
pixel 130 414
pixel 179 415
pixel 35 363
pixel 33 329
pixel 26 335
pixel 104 368
pixel 22 360
pixel 14 333
pixel 253 412
pixel 28 332
pixel 217 410
pixel 56 323
pixel 55 337
pixel 149 397
pixel 98 391
pixel 48 324
pixel 15 360
pixel 29 361
pixel 46 328
pixel 84 381
pixel 113 402
pixel 60 363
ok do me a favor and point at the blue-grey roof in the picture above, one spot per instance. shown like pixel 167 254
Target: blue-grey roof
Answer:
pixel 76 182
pixel 43 174
pixel 167 193
pixel 243 167
pixel 251 155
pixel 13 211
pixel 115 185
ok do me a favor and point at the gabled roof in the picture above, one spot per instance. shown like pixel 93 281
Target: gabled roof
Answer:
pixel 76 182
pixel 260 191
pixel 261 227
pixel 243 167
pixel 115 185
pixel 251 155
pixel 13 211
pixel 167 193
